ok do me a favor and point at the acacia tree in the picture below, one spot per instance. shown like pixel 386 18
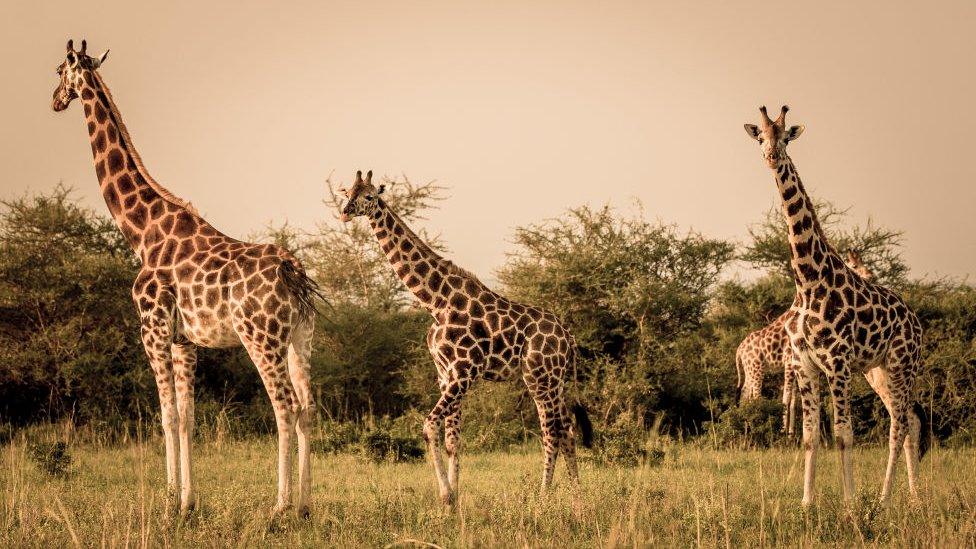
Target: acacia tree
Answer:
pixel 635 294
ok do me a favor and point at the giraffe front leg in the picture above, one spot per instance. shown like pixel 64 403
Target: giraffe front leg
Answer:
pixel 448 404
pixel 184 367
pixel 156 315
pixel 843 433
pixel 452 446
pixel 809 388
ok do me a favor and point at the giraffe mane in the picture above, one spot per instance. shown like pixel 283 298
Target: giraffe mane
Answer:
pixel 131 149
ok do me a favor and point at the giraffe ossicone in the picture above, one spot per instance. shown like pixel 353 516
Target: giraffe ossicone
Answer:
pixel 199 287
pixel 841 323
pixel 477 334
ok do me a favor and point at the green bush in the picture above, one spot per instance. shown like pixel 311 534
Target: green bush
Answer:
pixel 752 424
pixel 627 442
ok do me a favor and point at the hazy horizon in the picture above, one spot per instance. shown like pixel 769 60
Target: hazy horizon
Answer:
pixel 522 111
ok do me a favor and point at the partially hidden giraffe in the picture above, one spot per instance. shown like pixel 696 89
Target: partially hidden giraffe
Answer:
pixel 841 324
pixel 476 333
pixel 768 349
pixel 199 287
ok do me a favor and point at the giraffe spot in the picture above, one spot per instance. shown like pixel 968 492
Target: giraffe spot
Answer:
pixel 114 161
pixel 185 225
pixel 100 170
pixel 124 183
pixel 794 207
pixel 100 114
pixel 88 110
pixel 137 216
pixel 167 224
pixel 459 301
pixel 98 145
pixel 91 128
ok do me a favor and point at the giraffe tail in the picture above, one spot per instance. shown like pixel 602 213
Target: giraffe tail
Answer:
pixel 584 424
pixel 301 286
pixel 925 434
pixel 739 377
pixel 579 411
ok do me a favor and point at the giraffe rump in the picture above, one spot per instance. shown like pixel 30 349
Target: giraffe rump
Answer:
pixel 302 287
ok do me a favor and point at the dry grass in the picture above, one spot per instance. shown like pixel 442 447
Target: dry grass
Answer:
pixel 112 496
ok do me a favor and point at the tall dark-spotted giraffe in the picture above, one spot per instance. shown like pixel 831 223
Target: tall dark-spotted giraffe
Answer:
pixel 476 334
pixel 199 287
pixel 841 324
pixel 768 349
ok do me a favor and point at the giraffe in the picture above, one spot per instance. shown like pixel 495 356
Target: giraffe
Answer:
pixel 841 323
pixel 476 333
pixel 768 348
pixel 857 265
pixel 199 287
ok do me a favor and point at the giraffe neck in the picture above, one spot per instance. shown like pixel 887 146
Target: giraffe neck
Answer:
pixel 134 199
pixel 421 269
pixel 809 247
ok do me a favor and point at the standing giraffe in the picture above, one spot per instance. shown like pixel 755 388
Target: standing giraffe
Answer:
pixel 198 287
pixel 476 333
pixel 768 349
pixel 841 324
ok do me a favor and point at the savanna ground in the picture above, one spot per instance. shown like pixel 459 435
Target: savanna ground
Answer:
pixel 112 495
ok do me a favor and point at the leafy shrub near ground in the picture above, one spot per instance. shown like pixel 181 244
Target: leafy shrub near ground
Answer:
pixel 627 442
pixel 52 457
pixel 381 440
pixel 752 424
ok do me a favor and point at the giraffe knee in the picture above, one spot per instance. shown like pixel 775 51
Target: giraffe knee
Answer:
pixel 429 432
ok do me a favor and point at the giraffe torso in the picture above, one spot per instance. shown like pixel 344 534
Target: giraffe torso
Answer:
pixel 766 349
pixel 499 336
pixel 849 317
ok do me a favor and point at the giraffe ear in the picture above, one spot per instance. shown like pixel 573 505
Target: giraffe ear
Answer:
pixel 752 130
pixel 101 59
pixel 793 133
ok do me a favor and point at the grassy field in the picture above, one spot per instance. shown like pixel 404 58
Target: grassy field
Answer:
pixel 112 496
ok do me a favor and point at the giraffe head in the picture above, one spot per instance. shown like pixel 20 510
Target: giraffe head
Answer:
pixel 363 197
pixel 75 74
pixel 773 136
pixel 857 265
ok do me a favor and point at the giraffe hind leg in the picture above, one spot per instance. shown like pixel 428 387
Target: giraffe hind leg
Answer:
pixel 269 355
pixel 903 433
pixel 184 366
pixel 299 355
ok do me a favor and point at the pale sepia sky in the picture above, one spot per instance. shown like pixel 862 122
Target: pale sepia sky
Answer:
pixel 523 109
